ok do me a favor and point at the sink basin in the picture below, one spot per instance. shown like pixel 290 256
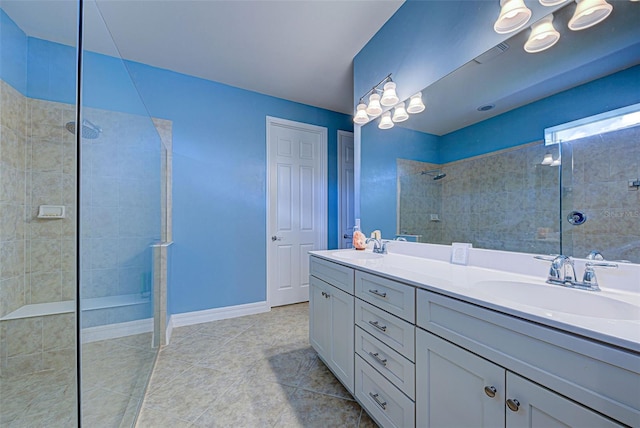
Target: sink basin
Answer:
pixel 555 298
pixel 357 255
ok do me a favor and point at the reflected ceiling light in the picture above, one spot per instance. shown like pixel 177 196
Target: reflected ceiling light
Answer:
pixel 385 121
pixel 551 2
pixel 513 16
pixel 542 36
pixel 361 115
pixel 400 113
pixel 389 96
pixel 374 108
pixel 415 104
pixel 547 159
pixel 589 13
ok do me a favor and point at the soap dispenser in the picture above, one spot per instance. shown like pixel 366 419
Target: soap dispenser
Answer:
pixel 359 240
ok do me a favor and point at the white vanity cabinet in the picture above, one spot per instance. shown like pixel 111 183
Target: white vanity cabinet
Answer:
pixel 385 349
pixel 457 388
pixel 331 312
pixel 482 375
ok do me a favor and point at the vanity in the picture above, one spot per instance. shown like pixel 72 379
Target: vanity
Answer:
pixel 421 342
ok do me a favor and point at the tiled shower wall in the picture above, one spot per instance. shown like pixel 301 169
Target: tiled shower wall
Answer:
pixel 38 256
pixel 122 216
pixel 504 200
pixel 598 185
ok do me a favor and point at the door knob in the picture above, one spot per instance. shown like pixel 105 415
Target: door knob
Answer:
pixel 513 404
pixel 276 238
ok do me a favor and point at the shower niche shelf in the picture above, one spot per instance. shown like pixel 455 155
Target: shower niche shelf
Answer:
pixel 51 211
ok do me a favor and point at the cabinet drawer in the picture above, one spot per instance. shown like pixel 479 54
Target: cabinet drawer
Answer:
pixel 383 401
pixel 396 368
pixel 394 297
pixel 601 377
pixel 394 332
pixel 332 273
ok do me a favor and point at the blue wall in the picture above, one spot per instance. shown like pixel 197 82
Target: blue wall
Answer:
pixel 219 183
pixel 219 160
pixel 13 54
pixel 378 158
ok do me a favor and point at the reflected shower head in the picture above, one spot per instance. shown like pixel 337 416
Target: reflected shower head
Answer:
pixel 435 173
pixel 90 131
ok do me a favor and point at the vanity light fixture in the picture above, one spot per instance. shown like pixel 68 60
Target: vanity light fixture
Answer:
pixel 415 104
pixel 400 113
pixel 513 16
pixel 385 121
pixel 543 35
pixel 589 13
pixel 382 105
pixel 547 159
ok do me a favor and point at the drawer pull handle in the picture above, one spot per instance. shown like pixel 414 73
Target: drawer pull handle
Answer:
pixel 378 359
pixel 490 391
pixel 382 404
pixel 378 326
pixel 379 294
pixel 513 404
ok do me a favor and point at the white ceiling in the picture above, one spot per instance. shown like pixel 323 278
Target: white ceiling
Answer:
pixel 297 50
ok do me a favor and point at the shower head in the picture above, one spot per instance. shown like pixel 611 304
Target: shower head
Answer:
pixel 435 173
pixel 89 130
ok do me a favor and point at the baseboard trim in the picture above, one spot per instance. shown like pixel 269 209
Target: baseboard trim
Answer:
pixel 114 331
pixel 208 315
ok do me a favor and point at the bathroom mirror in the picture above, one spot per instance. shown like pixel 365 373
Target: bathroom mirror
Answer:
pixel 470 167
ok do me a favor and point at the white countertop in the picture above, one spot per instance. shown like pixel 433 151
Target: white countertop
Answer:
pixel 616 311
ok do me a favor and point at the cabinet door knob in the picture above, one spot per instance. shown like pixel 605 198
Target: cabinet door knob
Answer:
pixel 513 404
pixel 490 391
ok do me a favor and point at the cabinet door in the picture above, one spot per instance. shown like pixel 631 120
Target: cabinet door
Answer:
pixel 341 322
pixel 531 405
pixel 319 317
pixel 455 388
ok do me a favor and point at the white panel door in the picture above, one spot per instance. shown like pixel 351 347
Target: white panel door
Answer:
pixel 346 187
pixel 297 201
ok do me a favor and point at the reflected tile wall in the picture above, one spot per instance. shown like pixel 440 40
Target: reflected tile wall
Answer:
pixel 598 186
pixel 504 200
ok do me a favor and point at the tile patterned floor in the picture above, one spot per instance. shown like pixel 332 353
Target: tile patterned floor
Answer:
pixel 114 372
pixel 253 371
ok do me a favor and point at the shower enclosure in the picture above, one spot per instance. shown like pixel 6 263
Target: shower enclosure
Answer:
pixel 84 216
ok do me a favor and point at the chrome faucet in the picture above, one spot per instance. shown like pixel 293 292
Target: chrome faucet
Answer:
pixel 595 255
pixel 379 246
pixel 562 272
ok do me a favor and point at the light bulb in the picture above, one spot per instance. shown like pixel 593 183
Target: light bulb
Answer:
pixel 400 114
pixel 361 114
pixel 389 96
pixel 513 16
pixel 589 13
pixel 374 108
pixel 415 104
pixel 543 35
pixel 385 121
